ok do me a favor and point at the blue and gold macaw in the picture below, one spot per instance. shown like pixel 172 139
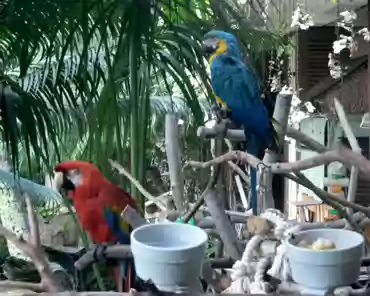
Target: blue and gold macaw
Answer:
pixel 237 90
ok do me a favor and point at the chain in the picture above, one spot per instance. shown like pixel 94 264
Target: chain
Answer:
pixel 261 188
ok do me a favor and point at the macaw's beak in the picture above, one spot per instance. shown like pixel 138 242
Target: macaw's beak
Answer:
pixel 210 45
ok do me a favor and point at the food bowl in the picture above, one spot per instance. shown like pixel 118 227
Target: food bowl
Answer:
pixel 170 254
pixel 326 269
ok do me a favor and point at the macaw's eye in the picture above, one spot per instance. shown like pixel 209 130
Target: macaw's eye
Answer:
pixel 75 176
pixel 210 44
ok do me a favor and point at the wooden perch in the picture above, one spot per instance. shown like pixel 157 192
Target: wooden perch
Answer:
pixel 291 293
pixel 132 217
pixel 222 223
pixel 352 187
pixel 116 252
pixel 33 249
pixel 174 161
pixel 344 155
pixel 281 115
pixel 238 135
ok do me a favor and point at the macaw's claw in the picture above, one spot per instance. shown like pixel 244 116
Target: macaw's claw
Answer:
pixel 222 128
pixel 100 252
pixel 215 107
pixel 223 113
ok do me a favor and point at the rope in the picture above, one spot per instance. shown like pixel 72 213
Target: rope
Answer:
pixel 243 270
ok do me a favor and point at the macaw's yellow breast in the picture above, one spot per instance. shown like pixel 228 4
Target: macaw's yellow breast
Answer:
pixel 221 49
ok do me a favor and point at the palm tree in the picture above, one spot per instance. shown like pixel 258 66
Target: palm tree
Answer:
pixel 91 79
pixel 98 58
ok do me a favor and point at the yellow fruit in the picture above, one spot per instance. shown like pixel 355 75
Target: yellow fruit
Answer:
pixel 322 244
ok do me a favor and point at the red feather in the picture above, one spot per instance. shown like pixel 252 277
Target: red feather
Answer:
pixel 92 195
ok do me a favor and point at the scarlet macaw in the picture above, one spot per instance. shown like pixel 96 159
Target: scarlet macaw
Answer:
pixel 237 90
pixel 98 204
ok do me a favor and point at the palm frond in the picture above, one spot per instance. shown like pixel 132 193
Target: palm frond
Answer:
pixel 36 192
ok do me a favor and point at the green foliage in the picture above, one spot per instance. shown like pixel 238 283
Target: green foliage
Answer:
pixel 84 71
pixel 93 80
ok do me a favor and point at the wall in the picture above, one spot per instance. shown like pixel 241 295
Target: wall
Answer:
pixel 315 128
pixel 323 12
pixel 352 94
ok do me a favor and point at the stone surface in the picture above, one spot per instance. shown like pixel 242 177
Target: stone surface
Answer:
pixel 60 231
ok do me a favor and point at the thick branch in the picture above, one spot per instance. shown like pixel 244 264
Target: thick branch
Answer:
pixel 238 135
pixel 117 252
pixel 222 223
pixel 344 155
pixel 352 188
pixel 291 293
pixel 136 183
pixel 174 161
pixel 35 252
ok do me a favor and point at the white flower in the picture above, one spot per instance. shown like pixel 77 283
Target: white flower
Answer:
pixel 334 67
pixel 296 17
pixel 286 90
pixel 348 19
pixel 365 33
pixel 348 16
pixel 275 83
pixel 301 19
pixel 335 73
pixel 295 101
pixel 343 42
pixel 310 107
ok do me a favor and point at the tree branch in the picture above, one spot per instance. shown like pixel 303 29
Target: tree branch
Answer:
pixel 344 155
pixel 353 180
pixel 224 228
pixel 147 195
pixel 238 135
pixel 174 161
pixel 35 252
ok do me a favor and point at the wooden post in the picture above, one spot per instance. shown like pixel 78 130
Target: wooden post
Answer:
pixel 173 152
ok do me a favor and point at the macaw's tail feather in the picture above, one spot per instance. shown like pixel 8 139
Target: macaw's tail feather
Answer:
pixel 124 275
pixel 275 143
pixel 117 277
pixel 253 172
pixel 128 274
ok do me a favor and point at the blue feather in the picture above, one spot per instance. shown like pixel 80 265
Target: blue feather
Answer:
pixel 236 85
pixel 115 224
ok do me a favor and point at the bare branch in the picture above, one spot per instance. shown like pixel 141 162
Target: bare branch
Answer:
pixel 344 155
pixel 118 252
pixel 238 135
pixel 352 187
pixel 34 227
pixel 174 161
pixel 132 217
pixel 222 223
pixel 288 293
pixel 35 252
pixel 346 127
pixel 234 166
pixel 143 191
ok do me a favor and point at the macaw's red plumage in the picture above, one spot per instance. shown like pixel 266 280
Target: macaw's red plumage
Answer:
pixel 98 204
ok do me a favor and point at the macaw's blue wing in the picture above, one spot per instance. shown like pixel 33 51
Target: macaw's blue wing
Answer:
pixel 235 84
pixel 122 231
